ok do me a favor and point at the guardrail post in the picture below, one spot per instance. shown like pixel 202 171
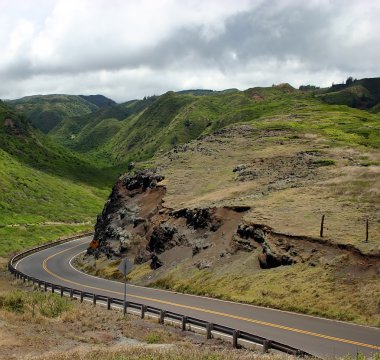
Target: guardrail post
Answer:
pixel 109 302
pixel 161 319
pixel 62 289
pixel 71 293
pixel 52 288
pixel 235 336
pixel 184 321
pixel 24 278
pixel 94 299
pixel 125 306
pixel 81 296
pixel 209 328
pixel 45 286
pixel 143 309
pixel 266 346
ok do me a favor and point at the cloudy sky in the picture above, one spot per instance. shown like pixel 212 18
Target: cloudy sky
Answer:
pixel 127 49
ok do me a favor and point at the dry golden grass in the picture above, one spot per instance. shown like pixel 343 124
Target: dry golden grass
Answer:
pixel 347 193
pixel 154 352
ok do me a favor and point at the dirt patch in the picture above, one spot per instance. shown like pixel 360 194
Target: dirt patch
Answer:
pixel 83 329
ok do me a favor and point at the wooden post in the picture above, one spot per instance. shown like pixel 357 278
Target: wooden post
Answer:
pixel 266 346
pixel 94 299
pixel 366 231
pixel 71 293
pixel 109 302
pixel 322 223
pixel 209 327
pixel 184 321
pixel 62 288
pixel 81 296
pixel 235 336
pixel 143 309
pixel 162 317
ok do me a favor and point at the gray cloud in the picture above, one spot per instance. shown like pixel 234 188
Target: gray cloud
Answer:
pixel 135 48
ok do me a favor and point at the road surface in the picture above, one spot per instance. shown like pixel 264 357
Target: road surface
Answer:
pixel 318 336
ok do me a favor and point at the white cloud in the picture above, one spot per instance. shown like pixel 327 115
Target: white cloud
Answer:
pixel 129 48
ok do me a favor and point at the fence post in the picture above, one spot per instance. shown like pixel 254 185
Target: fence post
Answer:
pixel 209 327
pixel 161 320
pixel 235 336
pixel 184 321
pixel 366 231
pixel 322 223
pixel 143 310
pixel 266 346
pixel 109 302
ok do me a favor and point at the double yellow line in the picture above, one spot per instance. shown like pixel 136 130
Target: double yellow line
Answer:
pixel 277 326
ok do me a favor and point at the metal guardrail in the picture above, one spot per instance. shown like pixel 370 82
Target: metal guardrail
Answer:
pixel 185 321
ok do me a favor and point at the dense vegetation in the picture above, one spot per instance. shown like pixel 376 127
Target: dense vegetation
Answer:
pixel 47 111
pixel 138 129
pixel 47 191
pixel 46 183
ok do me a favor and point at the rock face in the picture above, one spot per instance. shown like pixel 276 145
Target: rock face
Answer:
pixel 135 223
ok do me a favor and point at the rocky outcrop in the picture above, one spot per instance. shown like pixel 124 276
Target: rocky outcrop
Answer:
pixel 135 223
pixel 271 253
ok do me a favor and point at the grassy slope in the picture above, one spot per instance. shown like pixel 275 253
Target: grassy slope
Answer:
pixel 46 190
pixel 284 122
pixel 363 94
pixel 47 111
pixel 176 118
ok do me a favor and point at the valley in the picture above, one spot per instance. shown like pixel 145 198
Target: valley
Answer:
pixel 271 160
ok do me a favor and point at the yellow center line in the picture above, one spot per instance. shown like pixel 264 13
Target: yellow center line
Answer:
pixel 259 322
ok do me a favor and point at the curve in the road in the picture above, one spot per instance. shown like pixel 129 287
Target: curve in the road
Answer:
pixel 321 337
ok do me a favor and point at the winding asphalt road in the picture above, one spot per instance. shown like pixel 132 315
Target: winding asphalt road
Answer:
pixel 320 337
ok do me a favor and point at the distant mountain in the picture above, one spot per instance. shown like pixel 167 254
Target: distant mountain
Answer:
pixel 38 151
pixel 362 94
pixel 44 185
pixel 99 100
pixel 47 111
pixel 140 129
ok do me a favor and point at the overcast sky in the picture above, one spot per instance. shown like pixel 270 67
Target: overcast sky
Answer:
pixel 127 49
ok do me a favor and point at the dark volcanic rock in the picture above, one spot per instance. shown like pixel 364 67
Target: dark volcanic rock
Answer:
pixel 118 212
pixel 142 180
pixel 162 239
pixel 252 231
pixel 198 218
pixel 156 262
pixel 270 259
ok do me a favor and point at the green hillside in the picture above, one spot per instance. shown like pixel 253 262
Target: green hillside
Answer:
pixel 362 94
pixel 98 100
pixel 47 191
pixel 48 183
pixel 76 133
pixel 176 118
pixel 47 111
